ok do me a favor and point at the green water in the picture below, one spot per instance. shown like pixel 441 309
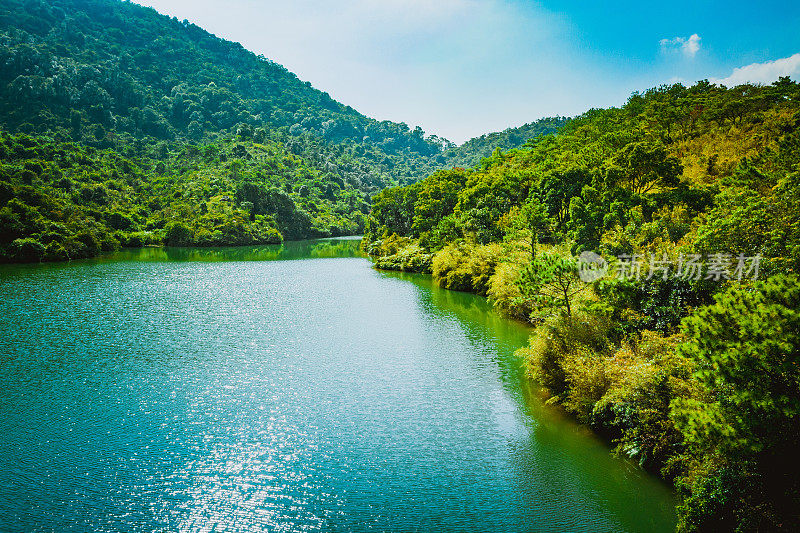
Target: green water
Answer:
pixel 283 389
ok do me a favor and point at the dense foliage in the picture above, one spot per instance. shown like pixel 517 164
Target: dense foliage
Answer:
pixel 122 127
pixel 62 200
pixel 746 423
pixel 674 353
pixel 471 152
pixel 126 127
pixel 107 72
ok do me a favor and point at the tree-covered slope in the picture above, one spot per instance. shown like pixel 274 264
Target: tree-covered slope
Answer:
pixel 106 72
pixel 706 155
pixel 674 352
pixel 103 81
pixel 64 201
pixel 471 152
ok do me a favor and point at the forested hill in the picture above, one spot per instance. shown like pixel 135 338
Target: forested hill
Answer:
pixel 105 72
pixel 121 126
pixel 682 347
pixel 98 70
pixel 471 152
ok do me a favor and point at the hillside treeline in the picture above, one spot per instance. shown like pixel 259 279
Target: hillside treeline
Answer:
pixel 656 248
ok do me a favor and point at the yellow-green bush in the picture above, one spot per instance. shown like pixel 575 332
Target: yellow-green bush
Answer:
pixel 408 258
pixel 505 294
pixel 623 391
pixel 388 245
pixel 589 376
pixel 466 267
pixel 559 341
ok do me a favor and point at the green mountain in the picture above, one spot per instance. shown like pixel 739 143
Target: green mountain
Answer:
pixel 471 152
pixel 124 126
pixel 682 346
pixel 103 71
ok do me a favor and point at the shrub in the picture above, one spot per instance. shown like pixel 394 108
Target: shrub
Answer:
pixel 119 221
pixel 465 267
pixel 26 250
pixel 97 193
pixel 410 258
pixel 550 282
pixel 136 239
pixel 505 294
pixel 178 234
pixel 636 408
pixel 558 341
pixel 268 236
pixel 387 245
pixel 624 392
pixel 655 303
pixel 205 237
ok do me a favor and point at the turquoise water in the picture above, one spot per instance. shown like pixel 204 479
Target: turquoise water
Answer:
pixel 284 388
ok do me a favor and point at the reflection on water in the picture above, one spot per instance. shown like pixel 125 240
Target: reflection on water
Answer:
pixel 220 389
pixel 311 249
pixel 557 439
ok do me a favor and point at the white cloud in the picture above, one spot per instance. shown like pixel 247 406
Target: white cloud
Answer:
pixel 765 72
pixel 692 46
pixel 688 46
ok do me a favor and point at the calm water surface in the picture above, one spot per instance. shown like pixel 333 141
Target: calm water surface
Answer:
pixel 283 389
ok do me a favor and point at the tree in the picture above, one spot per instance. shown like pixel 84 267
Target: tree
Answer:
pixel 746 347
pixel 393 209
pixel 557 189
pixel 586 213
pixel 551 282
pixel 643 166
pixel 489 195
pixel 529 221
pixel 437 198
pixel 178 234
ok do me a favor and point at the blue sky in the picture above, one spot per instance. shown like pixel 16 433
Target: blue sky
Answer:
pixel 460 68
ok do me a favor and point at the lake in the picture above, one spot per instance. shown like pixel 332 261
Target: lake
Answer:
pixel 284 388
